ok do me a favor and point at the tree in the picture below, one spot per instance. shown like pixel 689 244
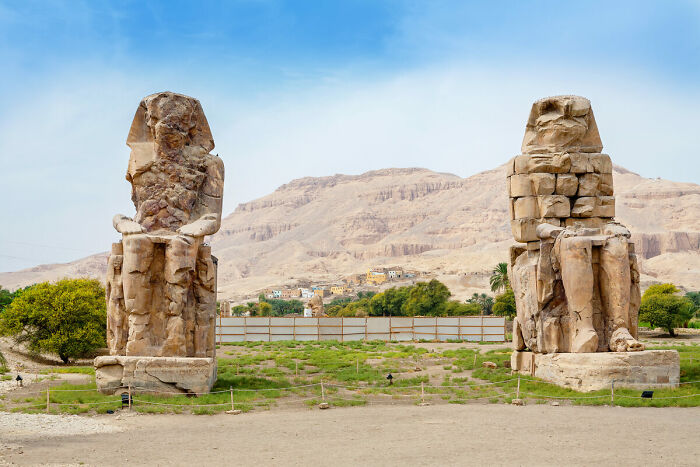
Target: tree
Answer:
pixel 499 278
pixel 426 299
pixel 67 318
pixel 695 298
pixel 455 308
pixel 661 307
pixel 485 301
pixel 505 304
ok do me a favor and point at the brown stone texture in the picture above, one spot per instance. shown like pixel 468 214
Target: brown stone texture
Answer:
pixel 161 278
pixel 647 369
pixel 576 281
pixel 148 374
pixel 567 184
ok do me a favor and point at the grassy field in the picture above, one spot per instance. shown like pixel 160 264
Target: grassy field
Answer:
pixel 267 376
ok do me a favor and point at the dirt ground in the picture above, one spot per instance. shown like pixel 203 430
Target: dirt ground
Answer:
pixel 374 435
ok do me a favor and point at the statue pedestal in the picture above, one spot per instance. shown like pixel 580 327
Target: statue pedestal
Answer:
pixel 592 371
pixel 148 374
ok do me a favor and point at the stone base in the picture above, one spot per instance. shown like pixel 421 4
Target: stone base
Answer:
pixel 148 374
pixel 592 371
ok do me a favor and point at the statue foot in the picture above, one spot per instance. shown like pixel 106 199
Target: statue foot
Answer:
pixel 586 341
pixel 622 341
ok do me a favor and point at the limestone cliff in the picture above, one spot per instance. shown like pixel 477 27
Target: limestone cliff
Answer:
pixel 320 229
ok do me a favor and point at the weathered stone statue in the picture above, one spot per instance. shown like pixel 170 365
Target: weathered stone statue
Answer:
pixel 575 274
pixel 161 278
pixel 316 305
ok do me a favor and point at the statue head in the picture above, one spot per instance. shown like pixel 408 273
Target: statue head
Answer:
pixel 561 124
pixel 165 123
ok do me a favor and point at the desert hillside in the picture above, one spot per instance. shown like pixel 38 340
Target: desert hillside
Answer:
pixel 315 230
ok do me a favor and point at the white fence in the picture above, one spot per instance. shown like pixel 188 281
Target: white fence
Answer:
pixel 469 328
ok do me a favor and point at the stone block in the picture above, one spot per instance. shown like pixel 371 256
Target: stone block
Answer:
pixel 601 163
pixel 510 167
pixel 531 246
pixel 542 163
pixel 605 187
pixel 526 208
pixel 511 208
pixel 524 230
pixel 587 222
pixel 554 206
pixel 580 163
pixel 146 374
pixel 596 370
pixel 588 184
pixel 567 184
pixel 543 184
pixel 584 207
pixel 605 206
pixel 520 185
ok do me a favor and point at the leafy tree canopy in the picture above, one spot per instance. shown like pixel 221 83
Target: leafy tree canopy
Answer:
pixel 661 307
pixel 499 278
pixel 505 304
pixel 67 318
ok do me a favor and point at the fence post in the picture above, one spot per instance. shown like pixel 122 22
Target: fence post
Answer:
pixel 517 391
pixel 129 397
pixel 47 400
pixel 323 392
pixel 422 393
pixel 231 389
pixel 612 392
pixel 474 364
pixel 296 368
pixel 357 366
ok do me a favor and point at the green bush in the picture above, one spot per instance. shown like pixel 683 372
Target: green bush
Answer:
pixel 505 304
pixel 661 307
pixel 67 318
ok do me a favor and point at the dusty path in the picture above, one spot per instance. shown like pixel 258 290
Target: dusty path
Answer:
pixel 378 435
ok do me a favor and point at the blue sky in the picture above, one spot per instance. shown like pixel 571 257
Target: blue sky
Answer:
pixel 313 88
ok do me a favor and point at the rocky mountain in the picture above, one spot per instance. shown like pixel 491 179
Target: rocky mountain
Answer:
pixel 318 230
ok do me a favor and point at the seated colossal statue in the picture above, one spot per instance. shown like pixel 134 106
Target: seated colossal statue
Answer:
pixel 574 274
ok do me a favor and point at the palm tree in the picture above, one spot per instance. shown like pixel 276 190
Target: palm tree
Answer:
pixel 499 278
pixel 482 300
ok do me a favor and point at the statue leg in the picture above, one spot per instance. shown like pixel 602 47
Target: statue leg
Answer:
pixel 575 258
pixel 138 256
pixel 180 261
pixel 205 294
pixel 615 288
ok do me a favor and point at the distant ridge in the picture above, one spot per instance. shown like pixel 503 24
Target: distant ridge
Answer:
pixel 320 229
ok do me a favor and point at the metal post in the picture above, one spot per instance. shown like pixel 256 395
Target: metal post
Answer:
pixel 517 391
pixel 231 389
pixel 130 397
pixel 47 400
pixel 323 392
pixel 612 392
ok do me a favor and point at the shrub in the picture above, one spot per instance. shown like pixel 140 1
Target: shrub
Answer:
pixel 67 318
pixel 505 304
pixel 661 307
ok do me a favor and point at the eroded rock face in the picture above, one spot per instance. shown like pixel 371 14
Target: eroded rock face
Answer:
pixel 576 280
pixel 161 278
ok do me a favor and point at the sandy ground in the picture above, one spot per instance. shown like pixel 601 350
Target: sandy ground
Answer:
pixel 374 435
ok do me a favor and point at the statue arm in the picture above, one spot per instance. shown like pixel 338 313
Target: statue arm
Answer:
pixel 209 204
pixel 126 225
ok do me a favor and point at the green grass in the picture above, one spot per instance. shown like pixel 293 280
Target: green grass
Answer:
pixel 83 370
pixel 265 375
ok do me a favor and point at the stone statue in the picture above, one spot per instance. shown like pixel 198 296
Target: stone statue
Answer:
pixel 575 277
pixel 316 305
pixel 161 278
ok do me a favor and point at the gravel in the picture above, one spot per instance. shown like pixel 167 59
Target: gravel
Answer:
pixel 16 425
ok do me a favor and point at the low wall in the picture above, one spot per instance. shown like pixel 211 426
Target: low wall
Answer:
pixel 469 328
